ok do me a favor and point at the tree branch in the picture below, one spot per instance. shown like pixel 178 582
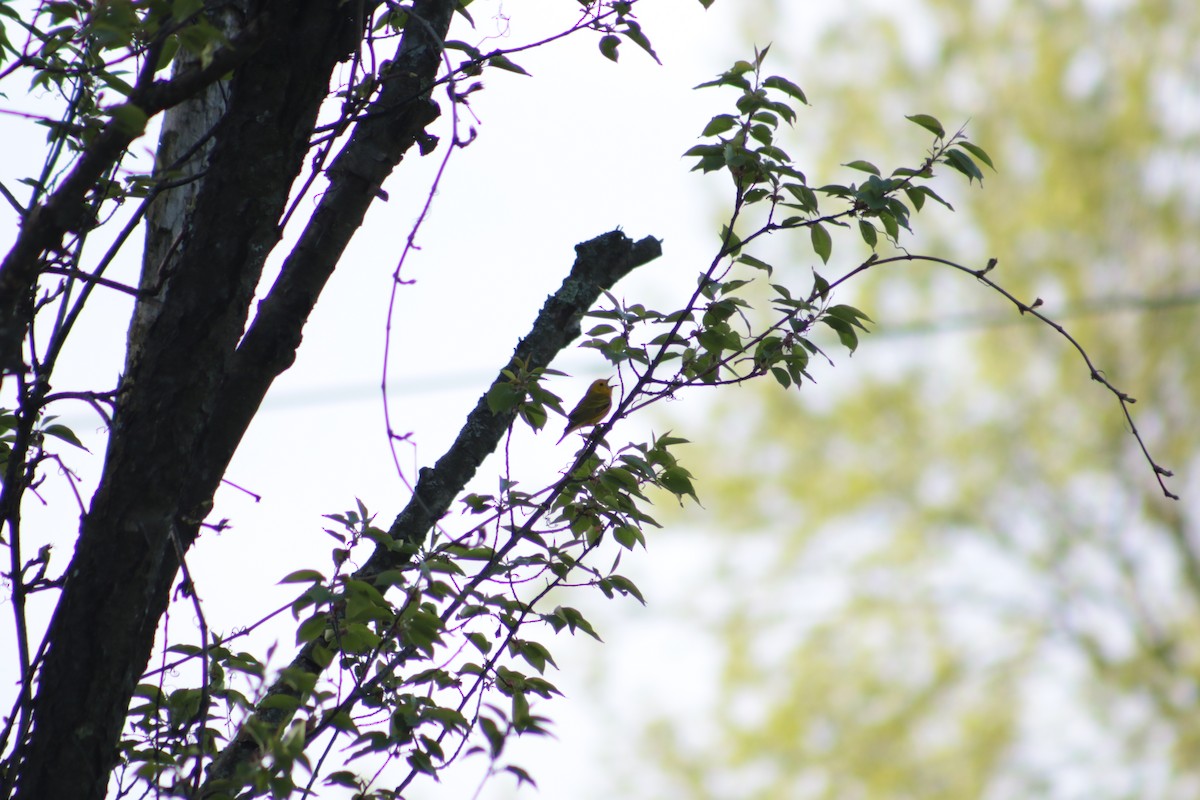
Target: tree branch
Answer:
pixel 65 210
pixel 394 121
pixel 599 264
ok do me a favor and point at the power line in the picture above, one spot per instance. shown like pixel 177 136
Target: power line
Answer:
pixel 1089 308
pixel 456 381
pixel 467 379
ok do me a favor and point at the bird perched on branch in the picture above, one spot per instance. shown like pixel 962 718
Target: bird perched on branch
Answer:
pixel 592 408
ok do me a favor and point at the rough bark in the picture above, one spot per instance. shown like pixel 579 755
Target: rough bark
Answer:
pixel 67 209
pixel 154 492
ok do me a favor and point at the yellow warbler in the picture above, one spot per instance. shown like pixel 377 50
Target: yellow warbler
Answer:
pixel 592 408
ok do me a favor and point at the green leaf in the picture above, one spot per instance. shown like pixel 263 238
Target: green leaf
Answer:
pixel 704 150
pixel 774 153
pixel 534 416
pixel 820 285
pixel 678 481
pixel 845 332
pixel 628 536
pixel 929 123
pixel 763 135
pixel 359 639
pixel 863 166
pixel 522 775
pixel 836 190
pixel 963 163
pixel 821 241
pixel 570 618
pixel 311 628
pixel 304 576
pixel 460 7
pixel 503 62
pixel 625 587
pixel 805 197
pixel 65 434
pixel 783 110
pixel 732 247
pixel 751 261
pixel 978 152
pixel 503 397
pixel 342 778
pixel 534 653
pixel 890 226
pixel 765 118
pixel 608 47
pixel 868 232
pixel 787 87
pixel 932 194
pixel 634 32
pixel 322 655
pixel 130 120
pixel 718 124
pixel 915 196
pixel 849 314
pixel 114 81
pixel 731 78
pixel 185 649
pixel 470 50
pixel 420 762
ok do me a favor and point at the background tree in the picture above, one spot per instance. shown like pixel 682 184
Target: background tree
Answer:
pixel 940 582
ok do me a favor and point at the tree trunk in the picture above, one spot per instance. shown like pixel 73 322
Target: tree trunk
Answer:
pixel 205 253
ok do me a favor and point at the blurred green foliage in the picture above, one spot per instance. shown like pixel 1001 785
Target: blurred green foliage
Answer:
pixel 977 587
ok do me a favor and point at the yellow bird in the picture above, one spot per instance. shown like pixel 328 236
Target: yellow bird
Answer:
pixel 592 408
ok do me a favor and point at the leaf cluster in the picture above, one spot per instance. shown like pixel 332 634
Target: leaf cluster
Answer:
pixel 550 538
pixel 91 57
